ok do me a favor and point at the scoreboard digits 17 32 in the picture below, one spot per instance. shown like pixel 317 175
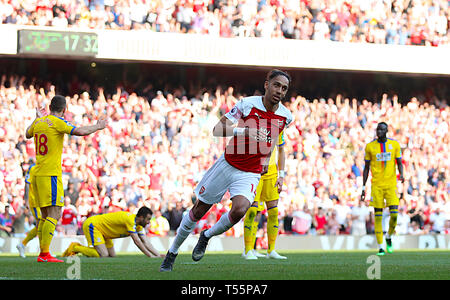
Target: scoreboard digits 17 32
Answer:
pixel 69 43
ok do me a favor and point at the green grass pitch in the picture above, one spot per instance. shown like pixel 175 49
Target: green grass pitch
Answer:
pixel 300 265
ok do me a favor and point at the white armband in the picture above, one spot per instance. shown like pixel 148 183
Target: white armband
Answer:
pixel 239 131
pixel 281 173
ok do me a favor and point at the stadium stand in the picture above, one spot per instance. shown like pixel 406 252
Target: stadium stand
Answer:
pixel 158 144
pixel 400 22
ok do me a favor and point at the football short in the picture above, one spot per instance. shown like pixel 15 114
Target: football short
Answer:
pixel 48 191
pixel 93 236
pixel 260 205
pixel 266 191
pixel 222 177
pixel 384 196
pixel 36 211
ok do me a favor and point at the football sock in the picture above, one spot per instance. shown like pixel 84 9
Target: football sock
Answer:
pixel 272 227
pixel 249 232
pixel 392 221
pixel 187 225
pixel 39 232
pixel 254 231
pixel 87 251
pixel 30 235
pixel 48 228
pixel 221 226
pixel 379 227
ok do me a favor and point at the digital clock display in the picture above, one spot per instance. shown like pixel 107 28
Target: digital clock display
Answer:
pixel 58 42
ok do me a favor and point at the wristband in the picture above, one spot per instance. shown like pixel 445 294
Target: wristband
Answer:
pixel 239 131
pixel 363 187
pixel 281 173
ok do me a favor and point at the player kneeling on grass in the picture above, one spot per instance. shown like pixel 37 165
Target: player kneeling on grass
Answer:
pixel 100 230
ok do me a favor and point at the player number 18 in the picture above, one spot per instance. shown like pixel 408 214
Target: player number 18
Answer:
pixel 41 144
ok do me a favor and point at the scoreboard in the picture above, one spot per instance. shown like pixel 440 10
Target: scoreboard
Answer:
pixel 70 43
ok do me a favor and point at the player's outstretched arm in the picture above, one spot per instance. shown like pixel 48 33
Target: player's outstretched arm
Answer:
pixel 150 247
pixel 86 130
pixel 137 241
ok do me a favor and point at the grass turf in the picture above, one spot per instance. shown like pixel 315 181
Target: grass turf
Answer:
pixel 300 265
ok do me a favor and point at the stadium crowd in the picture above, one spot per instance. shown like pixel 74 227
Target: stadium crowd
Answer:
pixel 403 22
pixel 155 149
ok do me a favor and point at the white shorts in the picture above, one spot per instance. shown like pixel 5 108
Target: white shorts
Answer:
pixel 222 177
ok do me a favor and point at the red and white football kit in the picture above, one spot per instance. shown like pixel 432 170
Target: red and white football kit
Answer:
pixel 239 168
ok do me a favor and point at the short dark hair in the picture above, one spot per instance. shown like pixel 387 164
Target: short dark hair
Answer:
pixel 144 211
pixel 275 72
pixel 58 103
pixel 384 123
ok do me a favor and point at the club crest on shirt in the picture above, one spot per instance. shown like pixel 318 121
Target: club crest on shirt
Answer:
pixel 202 190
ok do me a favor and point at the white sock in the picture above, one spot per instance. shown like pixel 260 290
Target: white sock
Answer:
pixel 220 227
pixel 187 225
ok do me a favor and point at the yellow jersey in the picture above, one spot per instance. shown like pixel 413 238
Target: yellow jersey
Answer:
pixel 382 158
pixel 31 194
pixel 273 161
pixel 116 225
pixel 29 173
pixel 48 133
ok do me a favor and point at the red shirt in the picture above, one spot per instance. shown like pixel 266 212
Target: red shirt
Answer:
pixel 321 221
pixel 248 154
pixel 68 215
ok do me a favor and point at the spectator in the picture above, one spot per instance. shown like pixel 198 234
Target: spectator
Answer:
pixel 437 221
pixel 418 217
pixel 333 226
pixel 287 221
pixel 68 219
pixel 343 215
pixel 6 228
pixel 375 21
pixel 302 220
pixel 446 227
pixel 174 215
pixel 320 221
pixel 72 193
pixel 167 148
pixel 20 223
pixel 414 229
pixel 403 221
pixel 359 217
pixel 159 225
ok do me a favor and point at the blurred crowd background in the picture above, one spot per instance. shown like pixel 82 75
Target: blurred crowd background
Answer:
pixel 401 22
pixel 158 145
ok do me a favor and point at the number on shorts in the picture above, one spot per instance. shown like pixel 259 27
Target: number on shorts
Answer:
pixel 253 189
